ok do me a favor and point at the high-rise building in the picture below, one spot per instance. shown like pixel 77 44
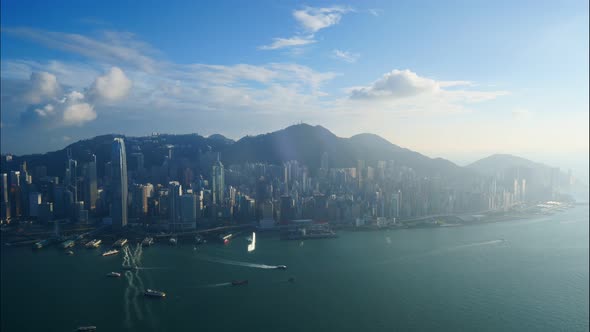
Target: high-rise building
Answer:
pixel 4 204
pixel 90 185
pixel 34 202
pixel 174 209
pixel 218 182
pixel 119 183
pixel 71 176
pixel 188 213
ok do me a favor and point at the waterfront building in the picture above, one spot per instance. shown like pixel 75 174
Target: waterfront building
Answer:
pixel 118 183
pixel 218 182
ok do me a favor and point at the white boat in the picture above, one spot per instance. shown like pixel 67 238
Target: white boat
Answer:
pixel 252 245
pixel 114 274
pixel 173 241
pixel 110 252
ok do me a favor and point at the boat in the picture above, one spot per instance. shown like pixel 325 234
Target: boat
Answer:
pixel 148 241
pixel 110 252
pixel 68 244
pixel 41 244
pixel 114 274
pixel 225 238
pixel 86 328
pixel 200 240
pixel 69 252
pixel 120 243
pixel 154 293
pixel 93 244
pixel 252 245
pixel 239 282
pixel 281 267
pixel 291 280
pixel 173 241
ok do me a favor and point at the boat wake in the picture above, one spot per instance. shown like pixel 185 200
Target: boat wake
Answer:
pixel 223 284
pixel 444 250
pixel 238 263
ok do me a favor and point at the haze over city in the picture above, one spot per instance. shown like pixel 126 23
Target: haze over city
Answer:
pixel 454 80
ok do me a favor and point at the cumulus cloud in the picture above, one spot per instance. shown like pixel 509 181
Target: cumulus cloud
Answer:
pixel 345 56
pixel 310 20
pixel 43 86
pixel 288 42
pixel 397 84
pixel 314 19
pixel 74 108
pixel 112 86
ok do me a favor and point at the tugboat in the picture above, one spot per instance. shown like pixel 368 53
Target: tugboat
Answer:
pixel 114 274
pixel 239 282
pixel 154 293
pixel 110 252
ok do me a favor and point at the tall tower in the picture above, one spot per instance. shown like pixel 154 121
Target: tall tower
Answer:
pixel 90 185
pixel 218 181
pixel 174 193
pixel 71 175
pixel 119 183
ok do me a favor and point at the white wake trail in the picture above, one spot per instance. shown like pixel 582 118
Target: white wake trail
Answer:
pixel 237 263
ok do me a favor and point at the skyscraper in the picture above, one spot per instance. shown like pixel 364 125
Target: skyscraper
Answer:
pixel 174 193
pixel 218 182
pixel 90 185
pixel 119 183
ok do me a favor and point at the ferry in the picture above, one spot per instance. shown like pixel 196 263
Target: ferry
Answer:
pixel 173 241
pixel 252 244
pixel 68 244
pixel 239 282
pixel 93 244
pixel 120 243
pixel 154 293
pixel 114 274
pixel 86 328
pixel 110 252
pixel 148 241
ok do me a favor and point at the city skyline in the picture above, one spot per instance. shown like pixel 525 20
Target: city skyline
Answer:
pixel 370 67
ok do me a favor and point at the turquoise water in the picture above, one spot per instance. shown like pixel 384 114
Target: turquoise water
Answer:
pixel 522 275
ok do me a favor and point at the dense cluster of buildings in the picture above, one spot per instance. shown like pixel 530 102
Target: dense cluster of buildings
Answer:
pixel 179 194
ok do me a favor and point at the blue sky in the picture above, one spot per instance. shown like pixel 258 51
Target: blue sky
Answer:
pixel 453 79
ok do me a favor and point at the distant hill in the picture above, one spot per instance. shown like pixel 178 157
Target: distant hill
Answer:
pixel 490 165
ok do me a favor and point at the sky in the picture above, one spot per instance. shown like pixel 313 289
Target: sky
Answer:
pixel 454 79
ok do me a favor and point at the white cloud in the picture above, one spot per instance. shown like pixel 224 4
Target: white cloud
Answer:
pixel 345 56
pixel 43 86
pixel 375 12
pixel 78 113
pixel 288 42
pixel 310 20
pixel 114 48
pixel 397 84
pixel 314 19
pixel 112 86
